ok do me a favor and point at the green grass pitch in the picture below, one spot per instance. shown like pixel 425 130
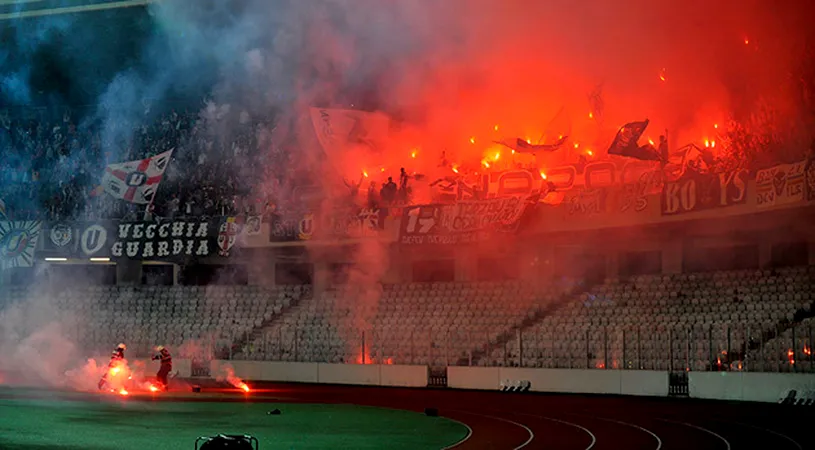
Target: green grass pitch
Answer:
pixel 88 422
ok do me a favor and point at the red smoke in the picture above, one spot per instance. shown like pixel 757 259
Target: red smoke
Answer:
pixel 225 372
pixel 472 72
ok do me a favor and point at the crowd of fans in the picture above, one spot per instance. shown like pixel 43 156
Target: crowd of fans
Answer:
pixel 223 164
pixel 53 162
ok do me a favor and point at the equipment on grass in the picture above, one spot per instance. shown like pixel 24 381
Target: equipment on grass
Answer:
pixel 227 442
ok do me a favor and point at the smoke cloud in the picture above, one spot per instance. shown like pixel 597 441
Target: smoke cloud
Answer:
pixel 456 75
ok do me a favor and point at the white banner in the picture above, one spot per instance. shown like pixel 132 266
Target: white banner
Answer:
pixel 343 129
pixel 136 181
pixel 780 185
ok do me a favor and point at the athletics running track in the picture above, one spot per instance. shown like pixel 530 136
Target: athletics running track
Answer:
pixel 564 422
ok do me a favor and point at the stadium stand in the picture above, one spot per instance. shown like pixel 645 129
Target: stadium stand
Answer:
pixel 728 320
pixel 53 160
pixel 193 319
pixel 415 323
pixel 701 321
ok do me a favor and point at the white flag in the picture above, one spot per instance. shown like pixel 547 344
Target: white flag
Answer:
pixel 136 181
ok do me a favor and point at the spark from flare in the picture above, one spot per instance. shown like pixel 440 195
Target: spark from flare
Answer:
pixel 591 115
pixel 791 356
pixel 589 152
pixel 807 350
pixel 495 128
pixel 497 156
pixel 543 175
pixel 662 75
pixel 365 174
pixel 413 154
pixel 123 392
pixel 472 140
pixel 153 388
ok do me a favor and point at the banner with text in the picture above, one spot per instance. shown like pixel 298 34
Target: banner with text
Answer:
pixel 341 224
pixel 696 191
pixel 781 185
pixel 461 222
pixel 175 241
pixel 809 177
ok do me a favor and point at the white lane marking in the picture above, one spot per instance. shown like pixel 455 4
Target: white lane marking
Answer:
pixel 591 435
pixel 531 434
pixel 469 433
pixel 726 442
pixel 653 435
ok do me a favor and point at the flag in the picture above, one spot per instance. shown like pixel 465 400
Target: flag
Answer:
pixel 560 126
pixel 625 143
pixel 522 146
pixel 343 129
pixel 136 181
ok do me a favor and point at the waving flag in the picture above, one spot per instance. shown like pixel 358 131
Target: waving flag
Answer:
pixel 522 146
pixel 625 143
pixel 136 181
pixel 560 126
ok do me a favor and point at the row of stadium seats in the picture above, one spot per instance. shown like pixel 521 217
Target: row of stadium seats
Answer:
pixel 709 321
pixel 416 323
pixel 687 321
pixel 192 319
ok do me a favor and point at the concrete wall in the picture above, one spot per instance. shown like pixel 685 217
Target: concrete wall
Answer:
pixel 755 387
pixel 760 387
pixel 563 380
pixel 359 374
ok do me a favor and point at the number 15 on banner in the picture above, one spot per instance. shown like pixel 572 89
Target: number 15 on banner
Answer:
pixel 421 217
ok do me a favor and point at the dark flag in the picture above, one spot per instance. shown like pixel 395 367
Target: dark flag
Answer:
pixel 625 143
pixel 522 146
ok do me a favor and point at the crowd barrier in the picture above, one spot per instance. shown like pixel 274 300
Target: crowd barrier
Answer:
pixel 758 387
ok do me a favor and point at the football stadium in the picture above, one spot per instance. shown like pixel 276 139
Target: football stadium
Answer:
pixel 398 224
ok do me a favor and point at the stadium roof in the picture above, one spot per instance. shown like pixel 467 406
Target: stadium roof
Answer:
pixel 20 9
